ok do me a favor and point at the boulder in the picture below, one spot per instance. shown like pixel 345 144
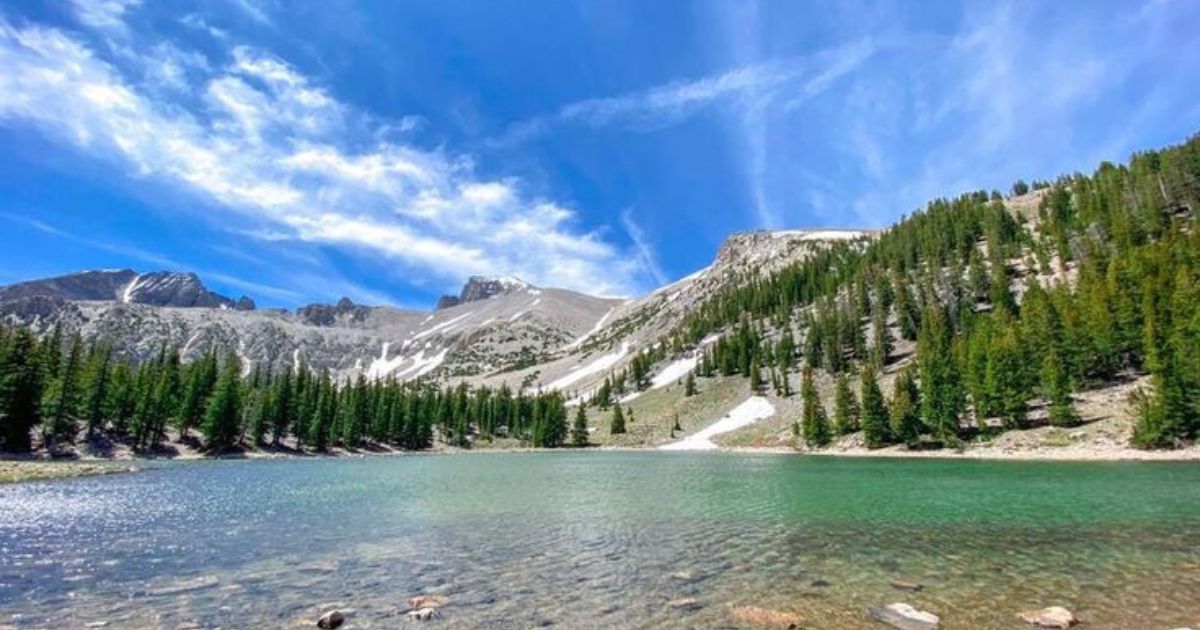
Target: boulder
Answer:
pixel 905 617
pixel 330 620
pixel 422 614
pixel 427 601
pixel 1052 617
pixel 907 586
pixel 686 604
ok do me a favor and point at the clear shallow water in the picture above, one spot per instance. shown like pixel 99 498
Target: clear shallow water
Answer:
pixel 580 540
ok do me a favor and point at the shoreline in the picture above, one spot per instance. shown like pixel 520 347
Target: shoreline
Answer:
pixel 16 469
pixel 988 454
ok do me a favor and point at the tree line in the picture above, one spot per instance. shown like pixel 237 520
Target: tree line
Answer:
pixel 59 386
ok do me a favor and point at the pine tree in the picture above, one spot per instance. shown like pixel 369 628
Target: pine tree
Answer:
pixel 942 398
pixel 874 411
pixel 1007 380
pixel 356 412
pixel 618 421
pixel 1057 390
pixel 323 414
pixel 96 385
pixel 814 422
pixel 756 383
pixel 119 404
pixel 222 419
pixel 62 397
pixel 200 380
pixel 904 418
pixel 284 400
pixel 689 385
pixel 20 391
pixel 845 407
pixel 881 343
pixel 579 431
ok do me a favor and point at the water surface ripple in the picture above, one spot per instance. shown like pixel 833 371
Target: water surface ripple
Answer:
pixel 582 540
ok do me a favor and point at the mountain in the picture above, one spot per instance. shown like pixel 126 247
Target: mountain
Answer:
pixel 636 324
pixel 501 324
pixel 497 330
pixel 481 288
pixel 161 288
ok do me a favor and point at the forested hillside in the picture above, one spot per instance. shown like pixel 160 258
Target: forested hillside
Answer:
pixel 1006 307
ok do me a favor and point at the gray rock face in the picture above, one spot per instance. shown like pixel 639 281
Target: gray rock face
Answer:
pixel 86 285
pixel 159 288
pixel 482 288
pixel 169 288
pixel 447 301
pixel 518 325
pixel 345 313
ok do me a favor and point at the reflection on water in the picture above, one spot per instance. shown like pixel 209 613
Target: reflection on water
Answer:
pixel 602 540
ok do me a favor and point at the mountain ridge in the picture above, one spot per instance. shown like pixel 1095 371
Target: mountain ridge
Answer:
pixel 499 329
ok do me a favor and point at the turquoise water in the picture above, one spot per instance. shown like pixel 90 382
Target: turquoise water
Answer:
pixel 594 539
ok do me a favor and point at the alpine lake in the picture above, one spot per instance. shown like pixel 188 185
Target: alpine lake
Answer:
pixel 603 539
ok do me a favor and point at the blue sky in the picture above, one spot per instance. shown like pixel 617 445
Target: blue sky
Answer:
pixel 297 152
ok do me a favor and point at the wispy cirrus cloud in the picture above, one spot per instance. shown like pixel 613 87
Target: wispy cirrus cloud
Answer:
pixel 270 144
pixel 794 77
pixel 644 249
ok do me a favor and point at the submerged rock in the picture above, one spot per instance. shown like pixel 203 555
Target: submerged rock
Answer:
pixel 330 620
pixel 755 616
pixel 687 576
pixel 422 614
pixel 907 586
pixel 427 601
pixel 819 583
pixel 1051 617
pixel 905 617
pixel 686 604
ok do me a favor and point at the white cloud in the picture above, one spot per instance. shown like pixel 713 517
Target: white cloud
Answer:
pixel 665 103
pixel 644 249
pixel 103 14
pixel 271 145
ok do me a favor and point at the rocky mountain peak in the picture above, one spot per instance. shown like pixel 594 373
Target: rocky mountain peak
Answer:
pixel 772 248
pixel 174 288
pixel 159 288
pixel 344 311
pixel 483 288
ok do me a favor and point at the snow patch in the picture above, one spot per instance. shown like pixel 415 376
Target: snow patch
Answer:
pixel 673 372
pixel 594 330
pixel 441 326
pixel 127 295
pixel 599 365
pixel 752 410
pixel 382 366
